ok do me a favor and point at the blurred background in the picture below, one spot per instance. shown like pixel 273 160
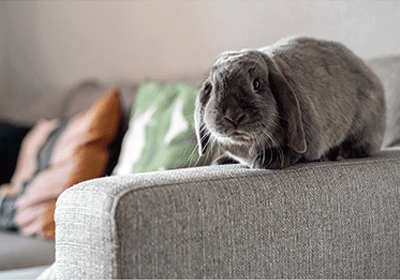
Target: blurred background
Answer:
pixel 48 46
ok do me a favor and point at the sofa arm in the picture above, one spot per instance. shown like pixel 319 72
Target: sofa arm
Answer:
pixel 318 220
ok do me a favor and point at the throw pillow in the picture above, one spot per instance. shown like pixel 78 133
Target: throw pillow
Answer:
pixel 160 134
pixel 54 156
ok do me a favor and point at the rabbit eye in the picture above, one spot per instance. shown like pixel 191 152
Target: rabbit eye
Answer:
pixel 256 84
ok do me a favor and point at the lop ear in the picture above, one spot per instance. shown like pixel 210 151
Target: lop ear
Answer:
pixel 202 135
pixel 288 105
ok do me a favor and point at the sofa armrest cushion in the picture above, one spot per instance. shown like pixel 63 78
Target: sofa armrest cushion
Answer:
pixel 316 220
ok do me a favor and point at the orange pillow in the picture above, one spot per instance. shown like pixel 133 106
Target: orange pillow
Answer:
pixel 55 156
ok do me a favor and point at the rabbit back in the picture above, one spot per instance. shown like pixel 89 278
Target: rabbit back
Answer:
pixel 341 99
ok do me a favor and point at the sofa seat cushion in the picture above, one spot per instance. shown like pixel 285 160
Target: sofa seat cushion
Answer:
pixel 19 252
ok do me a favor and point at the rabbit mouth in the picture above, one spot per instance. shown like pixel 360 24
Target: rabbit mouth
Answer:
pixel 241 138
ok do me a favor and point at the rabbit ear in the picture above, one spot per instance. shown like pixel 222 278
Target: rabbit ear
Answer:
pixel 202 135
pixel 288 105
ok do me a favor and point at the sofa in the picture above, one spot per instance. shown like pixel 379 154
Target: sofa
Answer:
pixel 19 251
pixel 23 146
pixel 315 220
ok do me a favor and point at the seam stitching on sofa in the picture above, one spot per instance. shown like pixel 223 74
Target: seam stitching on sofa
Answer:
pixel 255 173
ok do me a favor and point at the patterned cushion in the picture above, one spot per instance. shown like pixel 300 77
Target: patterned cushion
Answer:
pixel 161 134
pixel 54 156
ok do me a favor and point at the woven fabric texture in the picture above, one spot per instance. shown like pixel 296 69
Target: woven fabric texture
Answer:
pixel 319 220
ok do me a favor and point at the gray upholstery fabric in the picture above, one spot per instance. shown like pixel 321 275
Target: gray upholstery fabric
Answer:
pixel 27 273
pixel 18 251
pixel 319 220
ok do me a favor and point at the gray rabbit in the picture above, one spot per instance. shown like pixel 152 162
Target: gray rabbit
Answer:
pixel 299 100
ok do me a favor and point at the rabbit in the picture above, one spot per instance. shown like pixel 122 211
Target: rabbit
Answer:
pixel 299 100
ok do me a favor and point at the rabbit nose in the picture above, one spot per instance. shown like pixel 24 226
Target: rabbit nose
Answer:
pixel 235 120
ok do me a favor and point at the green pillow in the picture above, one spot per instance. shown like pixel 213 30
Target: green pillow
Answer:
pixel 161 131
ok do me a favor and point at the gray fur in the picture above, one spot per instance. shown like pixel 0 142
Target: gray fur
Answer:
pixel 316 101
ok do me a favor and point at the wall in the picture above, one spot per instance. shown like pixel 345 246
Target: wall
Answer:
pixel 3 47
pixel 53 45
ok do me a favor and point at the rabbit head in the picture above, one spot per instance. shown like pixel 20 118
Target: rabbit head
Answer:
pixel 247 106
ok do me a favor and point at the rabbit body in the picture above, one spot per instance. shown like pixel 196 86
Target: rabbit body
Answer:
pixel 299 100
